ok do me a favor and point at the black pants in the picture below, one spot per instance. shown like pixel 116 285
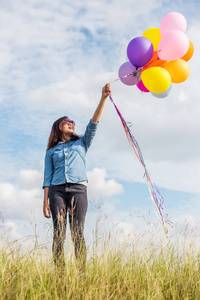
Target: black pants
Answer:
pixel 71 198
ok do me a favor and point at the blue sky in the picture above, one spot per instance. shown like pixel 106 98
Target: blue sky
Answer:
pixel 55 58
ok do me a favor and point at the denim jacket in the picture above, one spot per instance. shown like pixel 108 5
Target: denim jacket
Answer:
pixel 65 162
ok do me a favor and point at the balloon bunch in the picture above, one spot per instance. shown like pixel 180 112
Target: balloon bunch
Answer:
pixel 159 57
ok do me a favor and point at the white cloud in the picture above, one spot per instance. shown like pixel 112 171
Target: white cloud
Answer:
pixel 108 208
pixel 57 57
pixel 21 203
pixel 29 179
pixel 100 186
pixel 125 232
pixel 23 199
pixel 10 232
pixel 63 94
pixel 178 176
pixel 143 231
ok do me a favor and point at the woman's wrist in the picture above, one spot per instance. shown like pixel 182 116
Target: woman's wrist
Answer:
pixel 46 194
pixel 103 98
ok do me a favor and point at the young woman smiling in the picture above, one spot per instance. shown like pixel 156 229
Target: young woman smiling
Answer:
pixel 65 180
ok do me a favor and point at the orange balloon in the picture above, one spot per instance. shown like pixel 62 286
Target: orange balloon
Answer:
pixel 189 53
pixel 178 69
pixel 155 61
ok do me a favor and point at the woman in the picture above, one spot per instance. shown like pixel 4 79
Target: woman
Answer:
pixel 65 180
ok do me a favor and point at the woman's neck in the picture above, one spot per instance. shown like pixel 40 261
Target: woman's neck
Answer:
pixel 66 137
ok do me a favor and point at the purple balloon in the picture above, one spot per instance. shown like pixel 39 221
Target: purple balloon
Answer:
pixel 125 69
pixel 140 51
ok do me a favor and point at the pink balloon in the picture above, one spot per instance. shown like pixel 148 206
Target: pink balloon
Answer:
pixel 142 87
pixel 173 45
pixel 126 69
pixel 173 21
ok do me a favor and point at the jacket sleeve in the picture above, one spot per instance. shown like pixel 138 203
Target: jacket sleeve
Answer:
pixel 89 134
pixel 48 169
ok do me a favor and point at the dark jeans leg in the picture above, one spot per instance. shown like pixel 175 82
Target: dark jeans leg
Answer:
pixel 71 197
pixel 58 210
pixel 77 206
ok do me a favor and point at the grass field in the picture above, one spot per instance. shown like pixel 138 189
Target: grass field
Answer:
pixel 115 272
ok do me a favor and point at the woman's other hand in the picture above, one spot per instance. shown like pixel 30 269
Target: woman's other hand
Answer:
pixel 46 210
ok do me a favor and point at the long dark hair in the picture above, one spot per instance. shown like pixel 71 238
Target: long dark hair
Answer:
pixel 56 135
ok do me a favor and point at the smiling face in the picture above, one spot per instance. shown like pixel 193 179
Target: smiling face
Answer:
pixel 67 127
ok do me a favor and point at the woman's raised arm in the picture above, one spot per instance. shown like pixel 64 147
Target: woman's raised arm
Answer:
pixel 105 92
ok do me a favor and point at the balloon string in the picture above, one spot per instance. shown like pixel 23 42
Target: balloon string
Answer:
pixel 150 62
pixel 138 70
pixel 135 73
pixel 155 194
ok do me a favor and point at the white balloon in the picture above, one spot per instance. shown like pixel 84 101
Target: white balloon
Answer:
pixel 164 94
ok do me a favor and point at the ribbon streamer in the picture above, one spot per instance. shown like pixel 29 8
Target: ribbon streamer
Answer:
pixel 133 73
pixel 155 194
pixel 137 72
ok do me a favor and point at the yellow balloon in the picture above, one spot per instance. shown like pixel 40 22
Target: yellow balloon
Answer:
pixel 153 34
pixel 178 69
pixel 156 79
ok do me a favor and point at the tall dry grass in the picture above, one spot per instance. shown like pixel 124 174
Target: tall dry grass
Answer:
pixel 115 272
